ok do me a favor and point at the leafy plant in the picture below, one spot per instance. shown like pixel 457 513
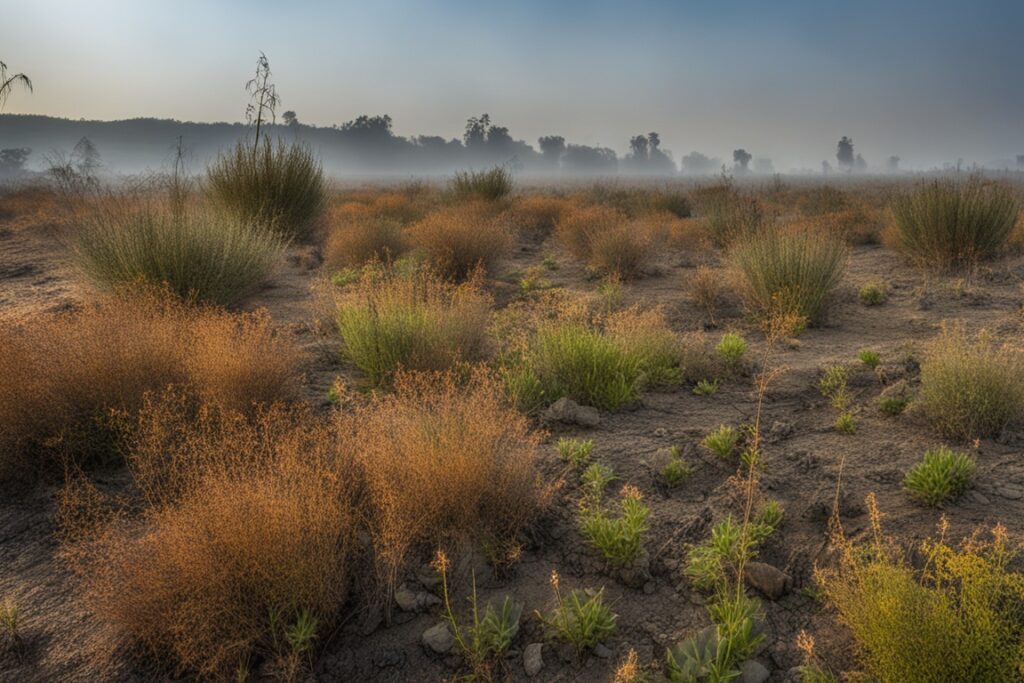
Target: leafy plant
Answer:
pixel 575 451
pixel 620 539
pixel 595 478
pixel 845 423
pixel 582 621
pixel 491 184
pixel 715 656
pixel 893 405
pixel 833 386
pixel 869 357
pixel 722 442
pixel 705 388
pixel 676 470
pixel 941 476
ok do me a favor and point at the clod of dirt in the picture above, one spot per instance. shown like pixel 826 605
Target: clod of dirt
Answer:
pixel 567 411
pixel 773 582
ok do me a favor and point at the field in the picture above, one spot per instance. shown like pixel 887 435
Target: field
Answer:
pixel 300 459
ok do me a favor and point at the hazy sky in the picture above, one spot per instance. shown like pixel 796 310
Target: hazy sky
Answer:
pixel 929 80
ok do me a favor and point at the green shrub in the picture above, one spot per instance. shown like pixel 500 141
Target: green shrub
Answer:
pixel 197 252
pixel 845 424
pixel 718 656
pixel 676 470
pixel 949 614
pixel 790 273
pixel 414 321
pixel 731 349
pixel 869 357
pixel 873 293
pixel 942 475
pixel 971 388
pixel 893 405
pixel 833 386
pixel 491 185
pixel 730 546
pixel 280 185
pixel 579 620
pixel 575 451
pixel 722 442
pixel 620 539
pixel 705 388
pixel 954 224
pixel 595 478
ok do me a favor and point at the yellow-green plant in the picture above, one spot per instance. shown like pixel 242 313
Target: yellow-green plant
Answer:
pixel 578 619
pixel 619 538
pixel 940 476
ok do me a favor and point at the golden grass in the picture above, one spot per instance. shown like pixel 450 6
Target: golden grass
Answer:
pixel 458 239
pixel 609 242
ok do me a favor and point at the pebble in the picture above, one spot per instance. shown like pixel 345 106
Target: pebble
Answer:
pixel 767 579
pixel 603 652
pixel 438 638
pixel 533 659
pixel 753 671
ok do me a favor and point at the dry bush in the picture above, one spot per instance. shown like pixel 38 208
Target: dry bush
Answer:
pixel 30 205
pixel 536 215
pixel 728 214
pixel 608 241
pixel 251 525
pixel 443 463
pixel 689 235
pixel 417 321
pixel 972 387
pixel 360 232
pixel 791 272
pixel 489 185
pixel 707 290
pixel 62 377
pixel 459 239
pixel 949 614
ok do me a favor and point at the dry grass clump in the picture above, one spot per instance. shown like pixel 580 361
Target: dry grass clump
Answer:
pixel 459 239
pixel 536 215
pixel 62 377
pixel 953 614
pixel 198 252
pixel 417 321
pixel 608 241
pixel 788 273
pixel 971 387
pixel 728 214
pixel 443 463
pixel 490 185
pixel 250 531
pixel 374 229
pixel 272 184
pixel 954 224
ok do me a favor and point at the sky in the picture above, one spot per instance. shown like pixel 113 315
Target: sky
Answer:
pixel 927 80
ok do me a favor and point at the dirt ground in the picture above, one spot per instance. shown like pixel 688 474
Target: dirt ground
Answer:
pixel 804 458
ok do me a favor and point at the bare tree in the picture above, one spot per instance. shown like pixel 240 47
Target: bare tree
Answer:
pixel 264 97
pixel 7 83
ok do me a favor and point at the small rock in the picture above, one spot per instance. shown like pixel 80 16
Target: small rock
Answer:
pixel 438 638
pixel 569 412
pixel 603 652
pixel 649 588
pixel 978 498
pixel 660 432
pixel 533 659
pixel 372 620
pixel 767 579
pixel 753 671
pixel 1010 491
pixel 405 599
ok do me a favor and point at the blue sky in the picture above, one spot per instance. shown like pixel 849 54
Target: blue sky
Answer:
pixel 927 80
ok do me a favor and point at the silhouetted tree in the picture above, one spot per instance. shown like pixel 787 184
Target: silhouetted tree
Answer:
pixel 476 130
pixel 7 83
pixel 859 164
pixel 698 164
pixel 12 161
pixel 290 119
pixel 638 145
pixel 844 153
pixel 740 159
pixel 552 147
pixel 589 160
pixel 893 163
pixel 264 98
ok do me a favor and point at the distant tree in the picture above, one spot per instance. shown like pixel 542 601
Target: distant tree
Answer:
pixel 658 161
pixel 7 83
pixel 264 98
pixel 638 146
pixel 86 158
pixel 859 164
pixel 844 153
pixel 552 147
pixel 477 129
pixel 740 159
pixel 893 163
pixel 372 125
pixel 289 118
pixel 12 161
pixel 589 160
pixel 826 167
pixel 698 164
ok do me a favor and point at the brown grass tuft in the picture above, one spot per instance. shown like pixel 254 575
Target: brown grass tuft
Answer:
pixel 610 242
pixel 460 238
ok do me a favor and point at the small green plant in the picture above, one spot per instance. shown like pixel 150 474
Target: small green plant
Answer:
pixel 873 293
pixel 769 515
pixel 595 479
pixel 722 442
pixel 533 281
pixel 716 656
pixel 893 405
pixel 609 291
pixel 869 357
pixel 706 388
pixel 676 470
pixel 941 476
pixel 833 386
pixel 730 546
pixel 845 423
pixel 549 262
pixel 582 621
pixel 731 349
pixel 575 451
pixel 620 539
pixel 487 638
pixel 346 276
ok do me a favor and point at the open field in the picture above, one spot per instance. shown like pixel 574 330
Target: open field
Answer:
pixel 240 460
